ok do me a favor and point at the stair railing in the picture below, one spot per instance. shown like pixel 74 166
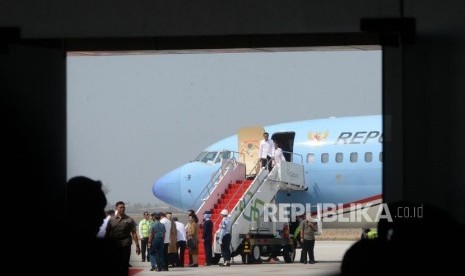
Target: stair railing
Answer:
pixel 227 206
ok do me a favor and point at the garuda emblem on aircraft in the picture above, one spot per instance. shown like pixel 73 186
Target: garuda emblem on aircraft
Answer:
pixel 318 136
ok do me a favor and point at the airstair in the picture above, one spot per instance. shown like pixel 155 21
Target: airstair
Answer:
pixel 247 215
pixel 245 196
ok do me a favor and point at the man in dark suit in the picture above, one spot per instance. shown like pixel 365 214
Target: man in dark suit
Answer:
pixel 207 237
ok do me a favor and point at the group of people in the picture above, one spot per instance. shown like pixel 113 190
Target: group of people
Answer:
pixel 161 237
pixel 166 240
pixel 164 245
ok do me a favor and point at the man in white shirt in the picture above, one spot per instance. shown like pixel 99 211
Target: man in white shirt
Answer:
pixel 103 228
pixel 266 151
pixel 167 223
pixel 181 229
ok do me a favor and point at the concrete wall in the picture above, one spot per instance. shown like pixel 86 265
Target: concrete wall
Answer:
pixel 433 106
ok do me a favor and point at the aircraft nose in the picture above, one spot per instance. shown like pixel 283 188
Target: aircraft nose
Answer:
pixel 167 188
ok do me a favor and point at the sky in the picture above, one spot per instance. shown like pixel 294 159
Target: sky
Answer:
pixel 133 118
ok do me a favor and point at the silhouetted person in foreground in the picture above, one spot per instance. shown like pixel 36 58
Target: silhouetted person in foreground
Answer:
pixel 411 243
pixel 85 253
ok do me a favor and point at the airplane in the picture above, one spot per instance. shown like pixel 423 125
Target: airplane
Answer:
pixel 341 157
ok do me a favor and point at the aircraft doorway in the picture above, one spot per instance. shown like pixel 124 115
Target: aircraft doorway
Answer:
pixel 285 141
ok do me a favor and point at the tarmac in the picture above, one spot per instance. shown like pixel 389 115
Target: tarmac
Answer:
pixel 328 255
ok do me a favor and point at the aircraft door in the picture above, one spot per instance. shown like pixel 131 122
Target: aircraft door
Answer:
pixel 286 142
pixel 248 139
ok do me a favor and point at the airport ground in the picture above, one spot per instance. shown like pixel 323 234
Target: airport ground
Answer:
pixel 328 255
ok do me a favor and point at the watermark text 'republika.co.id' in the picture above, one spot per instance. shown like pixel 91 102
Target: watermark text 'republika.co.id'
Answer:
pixel 330 212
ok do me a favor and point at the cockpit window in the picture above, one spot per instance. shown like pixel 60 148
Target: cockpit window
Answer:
pixel 208 157
pixel 201 156
pixel 213 156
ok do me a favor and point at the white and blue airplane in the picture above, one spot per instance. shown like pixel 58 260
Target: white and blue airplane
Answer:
pixel 342 160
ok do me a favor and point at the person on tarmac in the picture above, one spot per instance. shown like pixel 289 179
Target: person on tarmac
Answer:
pixel 225 238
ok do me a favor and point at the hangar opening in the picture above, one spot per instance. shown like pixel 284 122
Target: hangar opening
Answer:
pixel 133 116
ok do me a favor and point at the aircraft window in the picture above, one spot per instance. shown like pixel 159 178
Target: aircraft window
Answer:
pixel 353 157
pixel 226 154
pixel 324 157
pixel 210 156
pixel 201 156
pixel 381 157
pixel 310 158
pixel 339 157
pixel 368 157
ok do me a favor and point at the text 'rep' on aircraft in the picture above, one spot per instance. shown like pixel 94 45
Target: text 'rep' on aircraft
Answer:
pixel 341 160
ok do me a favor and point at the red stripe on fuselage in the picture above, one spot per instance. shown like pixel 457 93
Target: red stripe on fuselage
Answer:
pixel 346 205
